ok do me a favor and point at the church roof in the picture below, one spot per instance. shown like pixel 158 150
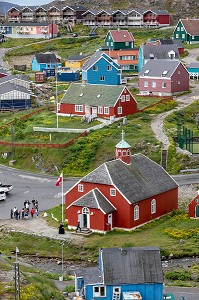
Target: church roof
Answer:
pixel 141 179
pixel 95 199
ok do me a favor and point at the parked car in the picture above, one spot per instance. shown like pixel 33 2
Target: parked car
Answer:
pixel 2 195
pixel 5 187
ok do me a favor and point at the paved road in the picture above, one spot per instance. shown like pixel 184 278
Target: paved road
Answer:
pixel 28 185
pixel 189 293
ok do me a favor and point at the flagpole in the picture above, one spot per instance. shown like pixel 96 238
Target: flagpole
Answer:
pixel 62 192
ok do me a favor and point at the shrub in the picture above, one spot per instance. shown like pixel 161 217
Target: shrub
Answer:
pixel 182 275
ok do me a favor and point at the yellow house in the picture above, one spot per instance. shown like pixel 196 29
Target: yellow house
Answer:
pixel 75 62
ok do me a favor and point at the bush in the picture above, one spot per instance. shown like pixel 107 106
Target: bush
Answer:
pixel 178 275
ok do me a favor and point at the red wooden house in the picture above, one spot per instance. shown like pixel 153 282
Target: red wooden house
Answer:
pixel 156 18
pixel 194 208
pixel 163 77
pixel 95 100
pixel 123 193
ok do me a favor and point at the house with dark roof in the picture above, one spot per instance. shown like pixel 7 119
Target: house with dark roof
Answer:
pixel 124 193
pixel 187 30
pixel 123 273
pixel 163 78
pixel 156 18
pixel 103 101
pixel 119 39
pixel 101 69
pixel 15 92
pixel 75 62
pixel 150 51
pixel 72 14
pixel 46 60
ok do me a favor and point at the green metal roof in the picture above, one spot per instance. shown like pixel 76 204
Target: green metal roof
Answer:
pixel 122 144
pixel 99 95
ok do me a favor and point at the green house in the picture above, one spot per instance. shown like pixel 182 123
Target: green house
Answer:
pixel 187 30
pixel 119 39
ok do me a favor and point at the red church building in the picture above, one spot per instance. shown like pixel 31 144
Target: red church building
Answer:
pixel 194 208
pixel 121 194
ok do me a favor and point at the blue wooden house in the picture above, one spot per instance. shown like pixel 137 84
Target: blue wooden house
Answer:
pixel 193 70
pixel 47 60
pixel 122 272
pixel 101 69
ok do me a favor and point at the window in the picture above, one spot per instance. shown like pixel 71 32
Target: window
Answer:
pixel 179 72
pixel 183 35
pixel 193 37
pixel 119 110
pixel 177 36
pixel 126 43
pixel 154 84
pixel 95 68
pixel 136 213
pixel 178 28
pixel 113 192
pixel 100 110
pixel 109 68
pixel 102 78
pixel 146 84
pixel 79 108
pixel 80 188
pixel 127 97
pixel 153 206
pixel 123 98
pixel 164 85
pixel 178 82
pixel 111 43
pixel 106 110
pixel 99 291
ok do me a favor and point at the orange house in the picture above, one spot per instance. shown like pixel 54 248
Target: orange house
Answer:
pixel 75 62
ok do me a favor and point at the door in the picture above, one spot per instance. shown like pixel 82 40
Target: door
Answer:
pixel 80 219
pixel 86 217
pixel 197 211
pixel 94 112
pixel 87 110
pixel 110 221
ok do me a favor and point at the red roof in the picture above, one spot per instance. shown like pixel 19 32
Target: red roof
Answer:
pixel 121 36
pixel 191 26
pixel 115 54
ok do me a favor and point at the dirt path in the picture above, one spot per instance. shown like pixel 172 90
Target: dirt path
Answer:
pixel 157 124
pixel 38 226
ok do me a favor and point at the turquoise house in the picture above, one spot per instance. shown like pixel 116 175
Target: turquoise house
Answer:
pixel 101 69
pixel 43 61
pixel 122 273
pixel 193 70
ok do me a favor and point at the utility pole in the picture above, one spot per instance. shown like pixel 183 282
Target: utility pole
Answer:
pixel 12 139
pixel 17 278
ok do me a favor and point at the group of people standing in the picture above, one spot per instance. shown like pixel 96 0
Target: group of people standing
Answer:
pixel 27 210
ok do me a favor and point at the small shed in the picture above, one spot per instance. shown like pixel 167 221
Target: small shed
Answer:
pixel 40 77
pixel 67 75
pixel 193 70
pixel 49 72
pixel 194 208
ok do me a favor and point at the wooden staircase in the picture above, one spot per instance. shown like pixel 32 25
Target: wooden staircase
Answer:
pixel 84 231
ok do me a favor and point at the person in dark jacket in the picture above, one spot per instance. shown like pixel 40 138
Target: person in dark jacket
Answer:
pixel 61 229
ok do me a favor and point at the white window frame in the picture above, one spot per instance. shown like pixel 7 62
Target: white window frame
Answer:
pixel 177 35
pixel 79 108
pixel 154 84
pixel 136 213
pixel 178 28
pixel 193 37
pixel 127 97
pixel 95 68
pixel 119 110
pixel 164 85
pixel 80 188
pixel 106 110
pixel 153 206
pixel 126 43
pixel 183 35
pixel 98 294
pixel 123 98
pixel 146 84
pixel 100 110
pixel 112 192
pixel 109 68
pixel 102 78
